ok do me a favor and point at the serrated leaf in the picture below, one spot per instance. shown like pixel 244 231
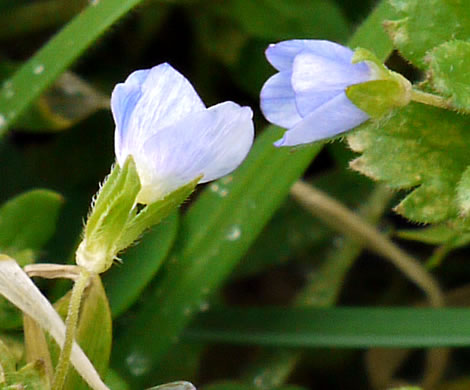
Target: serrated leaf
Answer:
pixel 27 222
pixel 424 24
pixel 420 148
pixel 449 64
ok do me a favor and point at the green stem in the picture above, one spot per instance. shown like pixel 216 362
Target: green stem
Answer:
pixel 345 221
pixel 273 366
pixel 431 99
pixel 71 326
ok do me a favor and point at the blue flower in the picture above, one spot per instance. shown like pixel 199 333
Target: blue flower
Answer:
pixel 162 122
pixel 308 96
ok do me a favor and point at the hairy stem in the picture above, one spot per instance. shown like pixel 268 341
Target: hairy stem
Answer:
pixel 431 99
pixel 71 326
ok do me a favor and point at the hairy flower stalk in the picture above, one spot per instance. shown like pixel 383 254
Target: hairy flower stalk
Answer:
pixel 166 141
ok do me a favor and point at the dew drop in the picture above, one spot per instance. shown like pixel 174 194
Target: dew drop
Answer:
pixel 227 179
pixel 234 233
pixel 223 193
pixel 214 187
pixel 138 363
pixel 38 69
pixel 204 306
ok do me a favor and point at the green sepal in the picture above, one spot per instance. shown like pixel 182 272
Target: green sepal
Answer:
pixel 388 90
pixel 111 211
pixel 449 64
pixel 154 213
pixel 376 97
pixel 361 54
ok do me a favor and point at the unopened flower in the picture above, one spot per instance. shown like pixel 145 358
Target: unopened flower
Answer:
pixel 308 95
pixel 172 136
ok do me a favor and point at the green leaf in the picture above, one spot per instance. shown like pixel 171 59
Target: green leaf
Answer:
pixel 212 240
pixel 424 24
pixel 333 327
pixel 94 331
pixel 420 148
pixel 27 222
pixel 449 64
pixel 47 64
pixel 139 265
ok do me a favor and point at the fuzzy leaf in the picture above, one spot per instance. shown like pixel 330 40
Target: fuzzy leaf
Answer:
pixel 425 24
pixel 449 65
pixel 420 148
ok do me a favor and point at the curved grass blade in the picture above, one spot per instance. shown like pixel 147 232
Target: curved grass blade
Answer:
pixel 20 90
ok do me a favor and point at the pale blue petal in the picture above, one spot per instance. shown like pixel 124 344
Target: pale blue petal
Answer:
pixel 329 120
pixel 211 143
pixel 166 97
pixel 313 75
pixel 309 101
pixel 123 101
pixel 281 55
pixel 277 101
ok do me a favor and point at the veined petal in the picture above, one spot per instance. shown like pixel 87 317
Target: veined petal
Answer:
pixel 211 143
pixel 277 101
pixel 336 116
pixel 313 72
pixel 144 105
pixel 123 101
pixel 281 55
pixel 308 101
